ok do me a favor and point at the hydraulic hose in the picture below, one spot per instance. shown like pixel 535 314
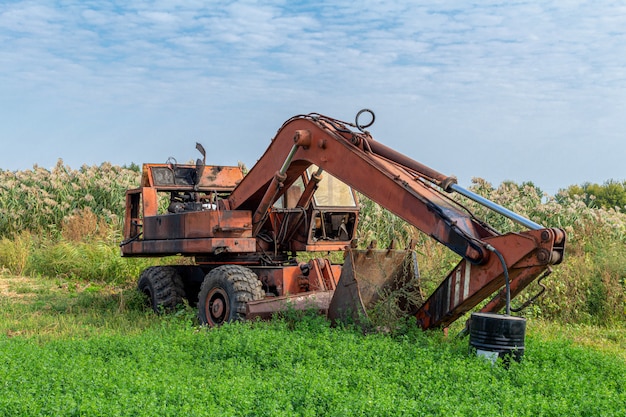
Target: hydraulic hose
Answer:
pixel 507 282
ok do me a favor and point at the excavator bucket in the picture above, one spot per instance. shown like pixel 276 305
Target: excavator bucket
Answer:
pixel 376 288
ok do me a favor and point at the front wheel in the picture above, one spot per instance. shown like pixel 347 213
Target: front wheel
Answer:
pixel 225 292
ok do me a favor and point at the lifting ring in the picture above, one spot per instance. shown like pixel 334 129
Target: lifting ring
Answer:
pixel 362 127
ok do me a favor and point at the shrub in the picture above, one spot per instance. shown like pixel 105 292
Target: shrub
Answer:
pixel 14 252
pixel 97 261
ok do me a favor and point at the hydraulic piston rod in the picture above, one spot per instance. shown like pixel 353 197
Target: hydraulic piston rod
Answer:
pixel 496 207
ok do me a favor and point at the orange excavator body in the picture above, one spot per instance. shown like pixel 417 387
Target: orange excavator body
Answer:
pixel 248 231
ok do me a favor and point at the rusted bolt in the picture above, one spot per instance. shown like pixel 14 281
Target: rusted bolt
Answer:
pixel 302 138
pixel 543 255
pixel 473 254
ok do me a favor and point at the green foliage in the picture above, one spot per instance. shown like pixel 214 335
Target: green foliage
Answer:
pixel 76 338
pixel 610 195
pixel 14 252
pixel 269 369
pixel 95 350
pixel 97 261
pixel 525 200
pixel 589 285
pixel 54 308
pixel 379 224
pixel 563 210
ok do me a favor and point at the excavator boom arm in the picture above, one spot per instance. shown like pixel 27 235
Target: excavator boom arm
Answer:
pixel 413 192
pixel 345 154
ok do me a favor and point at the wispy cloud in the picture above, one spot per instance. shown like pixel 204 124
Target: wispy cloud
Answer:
pixel 481 78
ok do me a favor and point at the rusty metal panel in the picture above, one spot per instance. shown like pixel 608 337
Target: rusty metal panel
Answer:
pixel 181 177
pixel 149 201
pixel 220 177
pixel 321 246
pixel 189 246
pixel 367 277
pixel 266 308
pixel 218 223
pixel 162 227
pixel 285 279
pixel 321 275
pixel 132 220
pixel 198 224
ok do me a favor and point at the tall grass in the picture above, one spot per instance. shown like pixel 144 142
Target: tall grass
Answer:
pixel 65 222
pixel 39 200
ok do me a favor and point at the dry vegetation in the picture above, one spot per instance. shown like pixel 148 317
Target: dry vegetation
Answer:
pixel 67 223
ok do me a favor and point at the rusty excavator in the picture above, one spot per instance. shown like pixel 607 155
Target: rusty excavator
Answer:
pixel 243 234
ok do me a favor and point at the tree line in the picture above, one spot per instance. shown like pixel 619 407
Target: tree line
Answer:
pixel 610 195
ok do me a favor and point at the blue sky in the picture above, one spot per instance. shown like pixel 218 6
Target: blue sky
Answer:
pixel 522 91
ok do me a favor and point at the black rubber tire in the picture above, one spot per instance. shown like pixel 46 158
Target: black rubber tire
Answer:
pixel 163 287
pixel 225 292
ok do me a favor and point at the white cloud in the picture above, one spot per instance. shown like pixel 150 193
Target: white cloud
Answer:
pixel 549 75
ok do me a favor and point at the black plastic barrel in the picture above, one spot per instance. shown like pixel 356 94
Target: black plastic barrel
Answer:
pixel 498 336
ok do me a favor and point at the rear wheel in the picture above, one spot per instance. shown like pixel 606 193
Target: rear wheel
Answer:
pixel 162 286
pixel 225 292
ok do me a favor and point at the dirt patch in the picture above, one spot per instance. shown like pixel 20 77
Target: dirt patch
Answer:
pixel 13 287
pixel 19 288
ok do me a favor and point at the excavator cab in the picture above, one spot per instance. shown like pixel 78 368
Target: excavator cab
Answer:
pixel 334 211
pixel 326 220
